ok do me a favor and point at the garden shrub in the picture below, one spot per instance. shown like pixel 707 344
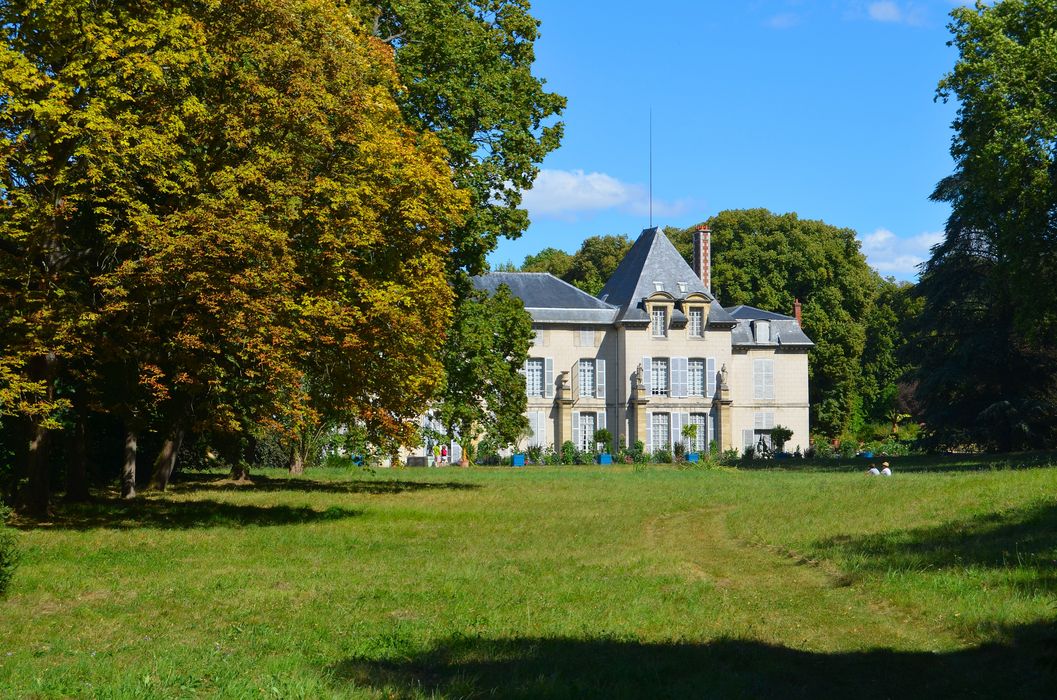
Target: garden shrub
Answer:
pixel 568 452
pixel 662 457
pixel 8 552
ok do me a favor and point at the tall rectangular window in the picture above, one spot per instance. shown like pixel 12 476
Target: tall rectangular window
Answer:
pixel 695 377
pixel 587 377
pixel 534 377
pixel 587 432
pixel 763 379
pixel 701 439
pixel 659 376
pixel 661 432
pixel 697 322
pixel 659 317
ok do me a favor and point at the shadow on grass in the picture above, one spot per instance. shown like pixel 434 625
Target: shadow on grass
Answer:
pixel 1022 667
pixel 260 482
pixel 1022 541
pixel 116 514
pixel 911 464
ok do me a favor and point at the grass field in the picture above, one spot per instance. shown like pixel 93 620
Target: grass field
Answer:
pixel 563 582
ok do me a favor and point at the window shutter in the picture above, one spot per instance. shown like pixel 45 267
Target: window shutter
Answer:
pixel 649 432
pixel 710 376
pixel 680 372
pixel 576 380
pixel 575 437
pixel 600 378
pixel 548 377
pixel 759 388
pixel 684 419
pixel 677 428
pixel 647 372
pixel 769 374
pixel 601 426
pixel 747 439
pixel 534 426
pixel 455 452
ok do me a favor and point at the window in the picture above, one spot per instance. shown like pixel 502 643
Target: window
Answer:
pixel 701 441
pixel 659 376
pixel 697 322
pixel 587 377
pixel 763 422
pixel 696 378
pixel 763 331
pixel 534 377
pixel 587 432
pixel 659 316
pixel 763 379
pixel 661 432
pixel 682 287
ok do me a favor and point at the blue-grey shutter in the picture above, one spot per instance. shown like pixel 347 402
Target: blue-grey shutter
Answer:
pixel 680 373
pixel 576 429
pixel 747 438
pixel 601 426
pixel 649 431
pixel 548 377
pixel 647 375
pixel 710 377
pixel 684 419
pixel 600 378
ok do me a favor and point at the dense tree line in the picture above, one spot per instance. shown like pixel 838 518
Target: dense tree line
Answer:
pixel 225 219
pixel 987 340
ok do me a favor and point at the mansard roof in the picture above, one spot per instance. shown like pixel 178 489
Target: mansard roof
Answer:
pixel 654 265
pixel 549 299
pixel 784 331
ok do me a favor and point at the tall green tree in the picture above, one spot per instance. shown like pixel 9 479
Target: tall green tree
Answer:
pixel 771 260
pixel 987 342
pixel 595 261
pixel 217 202
pixel 1004 187
pixel 552 260
pixel 484 395
pixel 466 69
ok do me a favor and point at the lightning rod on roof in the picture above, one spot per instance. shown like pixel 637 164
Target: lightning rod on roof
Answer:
pixel 651 166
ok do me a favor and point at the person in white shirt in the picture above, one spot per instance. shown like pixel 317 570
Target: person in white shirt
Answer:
pixel 885 470
pixel 872 471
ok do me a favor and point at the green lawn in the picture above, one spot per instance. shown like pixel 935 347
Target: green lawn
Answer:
pixel 557 582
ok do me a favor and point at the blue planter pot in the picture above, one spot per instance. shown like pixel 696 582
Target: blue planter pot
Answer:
pixel 605 458
pixel 693 457
pixel 517 461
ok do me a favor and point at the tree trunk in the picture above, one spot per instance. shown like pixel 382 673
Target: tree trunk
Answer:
pixel 128 472
pixel 77 471
pixel 165 463
pixel 297 460
pixel 37 493
pixel 240 466
pixel 38 488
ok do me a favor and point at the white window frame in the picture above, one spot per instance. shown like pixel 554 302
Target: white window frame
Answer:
pixel 660 376
pixel 661 439
pixel 696 325
pixel 659 321
pixel 701 420
pixel 586 437
pixel 532 365
pixel 586 377
pixel 696 381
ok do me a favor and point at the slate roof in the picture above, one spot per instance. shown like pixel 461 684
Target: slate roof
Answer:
pixel 653 264
pixel 549 299
pixel 785 331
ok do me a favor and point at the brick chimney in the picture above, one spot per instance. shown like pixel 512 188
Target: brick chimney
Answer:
pixel 796 311
pixel 703 255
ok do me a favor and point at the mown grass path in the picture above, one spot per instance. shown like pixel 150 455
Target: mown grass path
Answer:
pixel 571 582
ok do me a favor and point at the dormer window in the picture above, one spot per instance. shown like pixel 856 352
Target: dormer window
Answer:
pixel 659 318
pixel 658 286
pixel 697 322
pixel 682 287
pixel 763 331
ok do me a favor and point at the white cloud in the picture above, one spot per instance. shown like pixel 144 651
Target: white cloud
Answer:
pixel 892 255
pixel 563 194
pixel 885 11
pixel 785 20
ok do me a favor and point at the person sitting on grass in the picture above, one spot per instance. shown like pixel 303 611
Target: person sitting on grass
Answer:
pixel 885 469
pixel 872 471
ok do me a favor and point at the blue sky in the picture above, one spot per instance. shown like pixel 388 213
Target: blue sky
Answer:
pixel 822 107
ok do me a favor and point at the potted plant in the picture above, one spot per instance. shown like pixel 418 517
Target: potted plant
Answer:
pixel 690 434
pixel 779 436
pixel 605 438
